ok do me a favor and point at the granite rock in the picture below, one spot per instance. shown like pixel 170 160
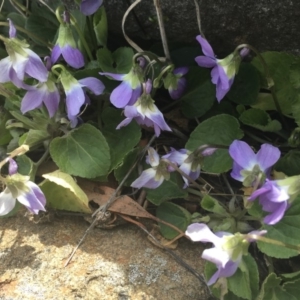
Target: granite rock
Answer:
pixel 111 264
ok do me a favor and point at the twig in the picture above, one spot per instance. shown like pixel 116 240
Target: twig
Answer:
pixel 162 29
pixel 130 42
pixel 99 214
pixel 104 207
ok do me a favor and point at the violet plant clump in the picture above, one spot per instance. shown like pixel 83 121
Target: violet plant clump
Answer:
pixel 75 98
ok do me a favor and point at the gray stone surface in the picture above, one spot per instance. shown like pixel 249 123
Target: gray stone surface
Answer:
pixel 265 24
pixel 112 264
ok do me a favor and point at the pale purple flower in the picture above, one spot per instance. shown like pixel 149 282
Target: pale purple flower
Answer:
pixel 227 251
pixel 224 70
pixel 273 199
pixel 248 166
pixel 75 94
pixel 145 112
pixel 189 162
pixel 20 62
pixel 152 177
pixel 130 89
pixel 44 92
pixel 89 7
pixel 20 188
pixel 176 83
pixel 66 46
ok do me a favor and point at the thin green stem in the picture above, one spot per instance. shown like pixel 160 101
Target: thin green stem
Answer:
pixel 82 38
pixel 273 242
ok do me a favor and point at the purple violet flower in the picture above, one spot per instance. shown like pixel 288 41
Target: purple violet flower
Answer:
pixel 44 92
pixel 75 95
pixel 249 167
pixel 189 162
pixel 145 112
pixel 227 251
pixel 21 61
pixel 130 89
pixel 224 70
pixel 19 187
pixel 66 46
pixel 89 7
pixel 153 177
pixel 176 83
pixel 273 199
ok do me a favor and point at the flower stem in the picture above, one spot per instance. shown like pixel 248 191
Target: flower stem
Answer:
pixel 274 242
pixel 82 38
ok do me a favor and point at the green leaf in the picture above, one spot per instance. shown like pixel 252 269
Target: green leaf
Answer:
pixel 175 215
pixel 100 26
pixel 127 136
pixel 25 165
pixel 82 152
pixel 295 75
pixel 289 164
pixel 272 290
pixel 5 135
pixel 212 205
pixel 246 85
pixel 293 289
pixel 279 67
pixel 221 130
pixel 296 111
pixel 33 137
pixel 62 192
pixel 259 119
pixel 118 62
pixel 200 95
pixel 123 169
pixel 168 190
pixel 285 231
pixel 290 276
pixel 42 28
pixel 219 162
pixel 244 282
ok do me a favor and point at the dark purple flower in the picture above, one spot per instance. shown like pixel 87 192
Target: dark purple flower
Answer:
pixel 89 7
pixel 224 70
pixel 176 83
pixel 130 89
pixel 75 95
pixel 248 166
pixel 20 62
pixel 66 46
pixel 152 177
pixel 227 251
